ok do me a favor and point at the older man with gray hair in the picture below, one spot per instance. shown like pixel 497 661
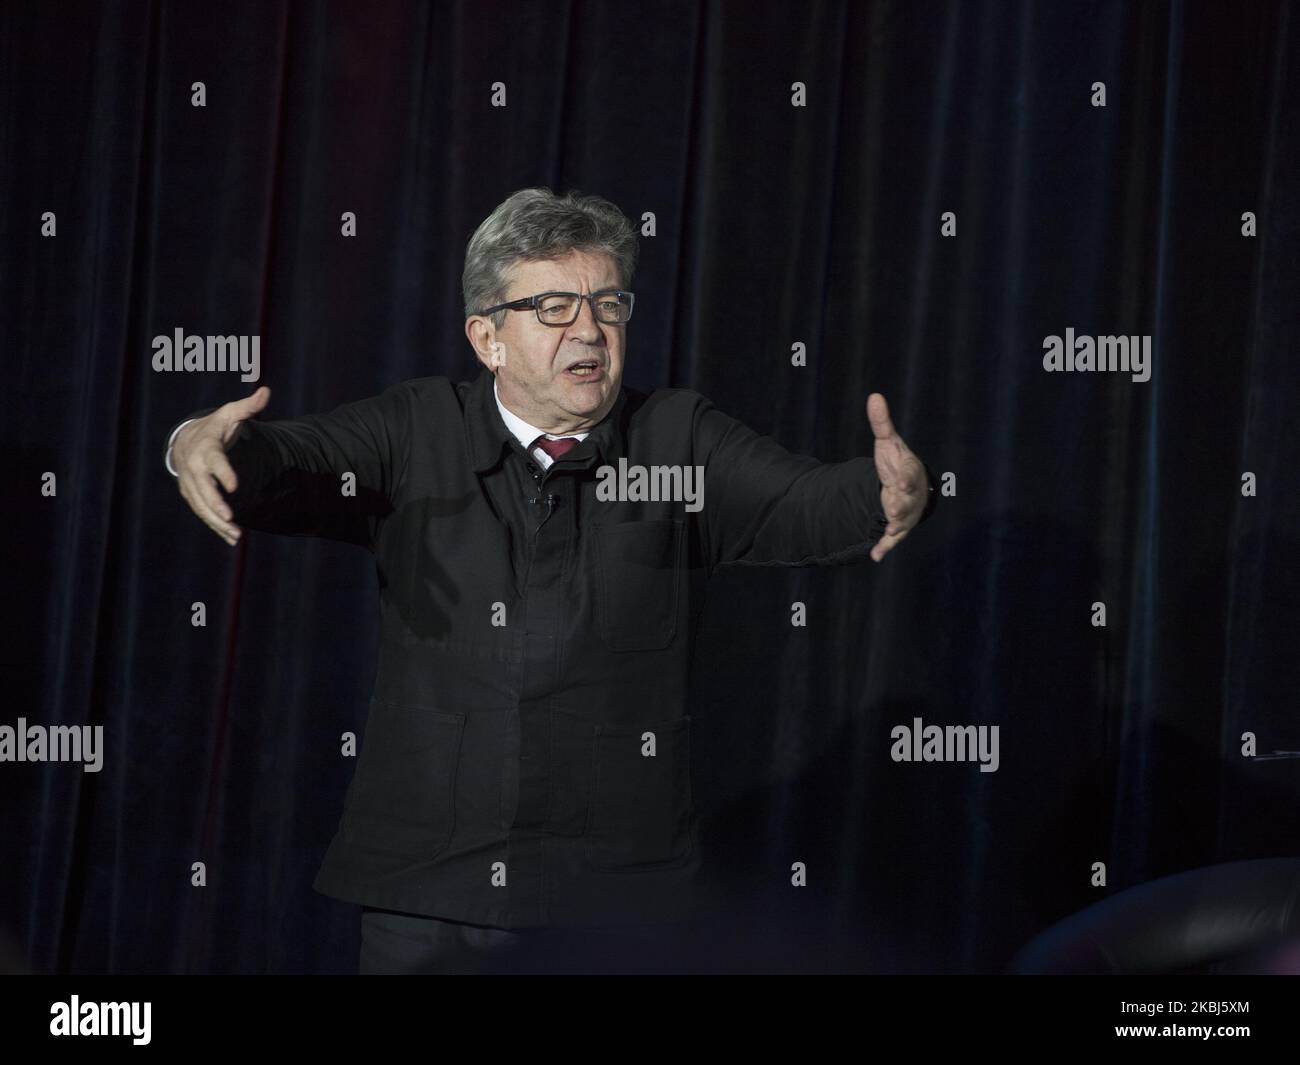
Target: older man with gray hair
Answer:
pixel 526 761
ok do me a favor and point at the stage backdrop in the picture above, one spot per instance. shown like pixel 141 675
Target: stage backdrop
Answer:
pixel 920 194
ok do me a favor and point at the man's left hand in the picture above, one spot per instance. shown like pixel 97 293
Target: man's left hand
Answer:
pixel 904 486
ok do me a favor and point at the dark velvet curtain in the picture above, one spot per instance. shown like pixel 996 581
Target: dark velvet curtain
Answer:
pixel 775 225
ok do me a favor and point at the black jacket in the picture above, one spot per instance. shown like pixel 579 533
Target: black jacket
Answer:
pixel 526 758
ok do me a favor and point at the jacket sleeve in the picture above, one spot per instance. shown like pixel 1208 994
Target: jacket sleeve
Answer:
pixel 293 472
pixel 764 506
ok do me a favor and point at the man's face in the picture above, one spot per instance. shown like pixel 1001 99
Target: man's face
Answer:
pixel 535 375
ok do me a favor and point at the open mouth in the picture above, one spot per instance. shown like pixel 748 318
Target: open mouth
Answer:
pixel 586 371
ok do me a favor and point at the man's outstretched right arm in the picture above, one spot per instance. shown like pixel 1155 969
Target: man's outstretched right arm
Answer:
pixel 333 475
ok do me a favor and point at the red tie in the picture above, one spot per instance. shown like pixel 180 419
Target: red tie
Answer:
pixel 556 448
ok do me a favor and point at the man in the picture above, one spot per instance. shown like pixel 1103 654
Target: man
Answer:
pixel 526 760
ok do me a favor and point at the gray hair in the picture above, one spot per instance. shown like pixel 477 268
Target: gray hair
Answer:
pixel 535 225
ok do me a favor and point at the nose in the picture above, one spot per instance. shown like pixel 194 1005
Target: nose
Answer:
pixel 585 327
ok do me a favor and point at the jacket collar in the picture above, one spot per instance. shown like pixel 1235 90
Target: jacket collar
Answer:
pixel 488 436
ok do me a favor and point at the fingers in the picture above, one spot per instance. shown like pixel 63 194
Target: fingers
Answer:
pixel 199 454
pixel 886 544
pixel 895 462
pixel 221 469
pixel 238 410
pixel 903 480
pixel 250 405
pixel 899 469
pixel 228 532
pixel 198 487
pixel 907 477
pixel 901 523
pixel 207 461
pixel 903 505
pixel 878 416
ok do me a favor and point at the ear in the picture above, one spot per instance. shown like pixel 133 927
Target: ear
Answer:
pixel 482 338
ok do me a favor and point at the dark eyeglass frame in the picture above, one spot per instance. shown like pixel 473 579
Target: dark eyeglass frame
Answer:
pixel 535 303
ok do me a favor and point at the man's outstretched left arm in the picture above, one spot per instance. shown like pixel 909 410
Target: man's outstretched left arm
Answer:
pixel 765 506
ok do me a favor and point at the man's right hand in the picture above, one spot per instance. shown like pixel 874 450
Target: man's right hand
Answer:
pixel 199 458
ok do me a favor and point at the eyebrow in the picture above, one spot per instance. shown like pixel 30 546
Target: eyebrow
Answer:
pixel 594 291
pixel 603 288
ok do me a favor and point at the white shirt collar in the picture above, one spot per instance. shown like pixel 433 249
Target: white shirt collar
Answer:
pixel 522 431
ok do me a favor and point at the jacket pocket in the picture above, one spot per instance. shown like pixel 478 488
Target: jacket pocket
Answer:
pixel 402 799
pixel 637 568
pixel 640 815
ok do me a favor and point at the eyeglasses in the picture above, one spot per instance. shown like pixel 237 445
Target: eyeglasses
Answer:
pixel 612 306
